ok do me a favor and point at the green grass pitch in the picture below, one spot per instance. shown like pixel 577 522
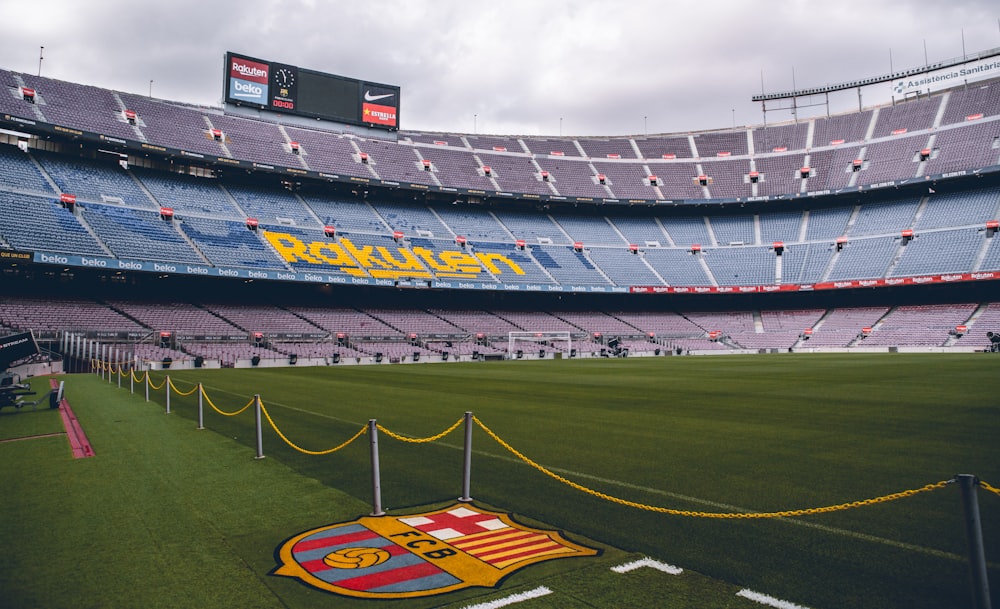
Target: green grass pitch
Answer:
pixel 166 515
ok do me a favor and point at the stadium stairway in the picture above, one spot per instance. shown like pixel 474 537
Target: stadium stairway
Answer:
pixel 977 264
pixel 708 271
pixel 125 314
pixel 90 230
pixel 139 135
pixel 45 174
pixel 288 140
pixel 859 339
pixel 194 246
pixel 832 264
pixel 900 250
pixel 969 323
pixel 862 154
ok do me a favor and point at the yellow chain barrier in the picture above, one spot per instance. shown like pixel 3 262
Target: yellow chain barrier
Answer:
pixel 225 414
pixel 988 487
pixel 695 514
pixel 550 473
pixel 178 391
pixel 396 436
pixel 267 415
pixel 135 378
pixel 153 386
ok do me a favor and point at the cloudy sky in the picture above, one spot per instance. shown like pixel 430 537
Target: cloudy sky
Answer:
pixel 579 67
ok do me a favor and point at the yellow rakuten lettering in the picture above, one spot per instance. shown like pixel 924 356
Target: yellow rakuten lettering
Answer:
pixel 381 262
pixel 365 255
pixel 461 262
pixel 409 262
pixel 488 262
pixel 289 247
pixel 330 253
pixel 334 255
pixel 428 257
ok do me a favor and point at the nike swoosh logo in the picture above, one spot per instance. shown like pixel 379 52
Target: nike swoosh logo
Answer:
pixel 370 97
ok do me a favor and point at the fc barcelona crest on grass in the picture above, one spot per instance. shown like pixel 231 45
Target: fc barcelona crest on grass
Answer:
pixel 420 554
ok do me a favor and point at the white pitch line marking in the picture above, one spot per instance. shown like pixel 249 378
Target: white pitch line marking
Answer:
pixel 770 601
pixel 647 562
pixel 512 599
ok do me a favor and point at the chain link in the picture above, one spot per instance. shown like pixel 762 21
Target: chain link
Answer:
pixel 990 488
pixel 634 504
pixel 179 392
pixel 225 414
pixel 267 415
pixel 696 514
pixel 401 438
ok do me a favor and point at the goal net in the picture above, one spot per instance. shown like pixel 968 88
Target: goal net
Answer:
pixel 538 341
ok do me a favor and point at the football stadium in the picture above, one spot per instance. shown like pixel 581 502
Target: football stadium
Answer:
pixel 283 352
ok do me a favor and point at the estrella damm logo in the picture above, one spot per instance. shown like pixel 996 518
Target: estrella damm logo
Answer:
pixel 381 262
pixel 390 557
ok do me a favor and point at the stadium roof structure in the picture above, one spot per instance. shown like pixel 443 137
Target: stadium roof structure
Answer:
pixel 795 94
pixel 948 63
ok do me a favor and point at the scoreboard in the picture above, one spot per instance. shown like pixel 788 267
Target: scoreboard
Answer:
pixel 280 87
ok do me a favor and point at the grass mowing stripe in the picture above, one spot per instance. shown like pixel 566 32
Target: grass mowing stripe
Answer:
pixel 295 408
pixel 765 431
pixel 795 521
pixel 161 517
pixel 673 495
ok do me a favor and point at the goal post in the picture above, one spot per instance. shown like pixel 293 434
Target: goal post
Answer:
pixel 551 338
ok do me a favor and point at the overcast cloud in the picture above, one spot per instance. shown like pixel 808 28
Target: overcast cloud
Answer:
pixel 589 67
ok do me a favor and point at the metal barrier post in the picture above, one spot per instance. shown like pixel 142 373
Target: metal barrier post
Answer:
pixel 467 465
pixel 166 387
pixel 131 380
pixel 260 434
pixel 119 375
pixel 147 385
pixel 201 407
pixel 376 474
pixel 974 535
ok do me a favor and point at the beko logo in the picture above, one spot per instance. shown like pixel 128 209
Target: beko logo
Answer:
pixel 245 89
